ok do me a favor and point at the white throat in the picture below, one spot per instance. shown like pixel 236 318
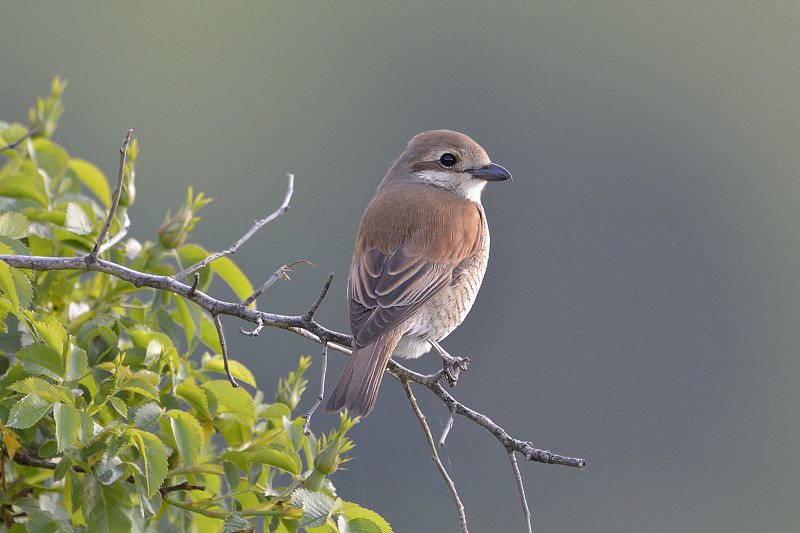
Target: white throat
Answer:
pixel 471 188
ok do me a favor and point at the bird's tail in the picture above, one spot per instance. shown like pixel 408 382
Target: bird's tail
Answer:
pixel 357 389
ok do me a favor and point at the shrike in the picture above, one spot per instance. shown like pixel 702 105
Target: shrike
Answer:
pixel 419 259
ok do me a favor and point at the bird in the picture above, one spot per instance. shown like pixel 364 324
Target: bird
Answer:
pixel 420 255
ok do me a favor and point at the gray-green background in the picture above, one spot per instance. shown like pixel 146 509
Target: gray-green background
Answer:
pixel 642 300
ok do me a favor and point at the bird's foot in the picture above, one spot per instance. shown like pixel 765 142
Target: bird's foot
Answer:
pixel 452 365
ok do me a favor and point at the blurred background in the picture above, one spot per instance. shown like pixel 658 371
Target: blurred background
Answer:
pixel 641 307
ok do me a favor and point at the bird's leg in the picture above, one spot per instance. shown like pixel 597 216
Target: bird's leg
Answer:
pixel 452 365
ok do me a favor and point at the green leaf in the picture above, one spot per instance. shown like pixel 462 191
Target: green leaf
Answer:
pixel 147 416
pixel 106 507
pixel 77 220
pixel 77 363
pixel 143 382
pixel 198 398
pixel 13 225
pixel 68 422
pixel 235 401
pixel 233 276
pixel 41 359
pixel 92 177
pixel 49 157
pixel 24 187
pixel 187 319
pixel 235 523
pixel 62 468
pixel 50 329
pixel 44 389
pixel 316 507
pixel 23 286
pixel 7 287
pixel 361 520
pixel 154 457
pixel 26 412
pixel 278 456
pixel 188 435
pixel 238 370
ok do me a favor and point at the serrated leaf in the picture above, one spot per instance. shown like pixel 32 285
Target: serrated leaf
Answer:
pixel 238 370
pixel 235 401
pixel 13 225
pixel 92 177
pixel 26 412
pixel 77 363
pixel 8 289
pixel 24 290
pixel 188 435
pixel 68 422
pixel 11 441
pixel 41 359
pixel 316 507
pixel 209 335
pixel 77 220
pixel 106 507
pixel 278 456
pixel 14 247
pixel 233 276
pixel 62 468
pixel 143 382
pixel 361 520
pixel 51 331
pixel 275 411
pixel 235 523
pixel 198 398
pixel 108 470
pixel 37 385
pixel 154 458
pixel 147 416
pixel 24 187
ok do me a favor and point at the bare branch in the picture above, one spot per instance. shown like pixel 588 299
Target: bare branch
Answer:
pixel 315 306
pixel 281 272
pixel 112 210
pixel 253 229
pixel 435 455
pixel 321 395
pixel 525 509
pixel 223 344
pixel 126 225
pixel 11 146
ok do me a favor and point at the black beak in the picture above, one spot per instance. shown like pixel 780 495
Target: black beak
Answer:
pixel 492 172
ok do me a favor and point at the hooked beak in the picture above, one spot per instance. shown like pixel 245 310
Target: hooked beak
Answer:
pixel 492 172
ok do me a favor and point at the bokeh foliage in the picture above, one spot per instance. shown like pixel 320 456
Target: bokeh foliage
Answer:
pixel 114 410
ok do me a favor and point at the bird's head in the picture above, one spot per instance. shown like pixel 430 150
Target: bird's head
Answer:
pixel 448 160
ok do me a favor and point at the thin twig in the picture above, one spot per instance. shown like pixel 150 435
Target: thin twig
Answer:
pixel 525 509
pixel 281 272
pixel 435 455
pixel 126 225
pixel 193 288
pixel 255 332
pixel 321 394
pixel 10 146
pixel 447 427
pixel 123 154
pixel 315 306
pixel 224 346
pixel 254 228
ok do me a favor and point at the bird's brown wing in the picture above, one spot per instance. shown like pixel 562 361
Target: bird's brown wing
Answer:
pixel 385 289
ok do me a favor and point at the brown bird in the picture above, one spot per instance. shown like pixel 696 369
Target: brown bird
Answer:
pixel 419 259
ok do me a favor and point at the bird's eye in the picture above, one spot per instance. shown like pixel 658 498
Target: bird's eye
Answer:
pixel 448 159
